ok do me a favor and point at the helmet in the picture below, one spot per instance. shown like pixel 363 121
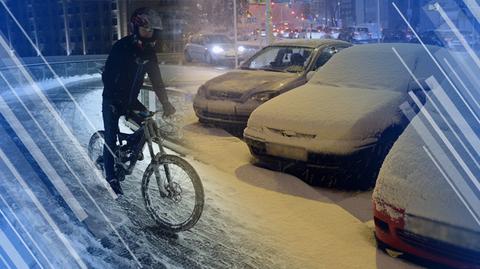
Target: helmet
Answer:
pixel 148 18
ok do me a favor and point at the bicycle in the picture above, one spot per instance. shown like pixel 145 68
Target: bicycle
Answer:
pixel 168 171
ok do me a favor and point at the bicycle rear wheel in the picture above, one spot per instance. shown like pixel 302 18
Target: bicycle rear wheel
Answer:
pixel 182 207
pixel 95 149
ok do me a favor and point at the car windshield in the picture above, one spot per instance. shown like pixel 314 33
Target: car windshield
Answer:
pixel 281 59
pixel 210 39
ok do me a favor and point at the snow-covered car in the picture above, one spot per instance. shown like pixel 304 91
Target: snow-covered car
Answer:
pixel 230 98
pixel 212 48
pixel 420 200
pixel 343 121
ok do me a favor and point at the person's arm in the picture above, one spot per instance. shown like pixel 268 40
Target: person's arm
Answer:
pixel 111 72
pixel 159 87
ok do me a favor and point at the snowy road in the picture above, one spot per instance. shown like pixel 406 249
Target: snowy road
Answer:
pixel 253 218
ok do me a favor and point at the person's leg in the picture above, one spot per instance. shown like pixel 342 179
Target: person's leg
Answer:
pixel 110 122
pixel 136 137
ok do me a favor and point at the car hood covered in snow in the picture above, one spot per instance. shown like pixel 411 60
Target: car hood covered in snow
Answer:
pixel 330 114
pixel 249 81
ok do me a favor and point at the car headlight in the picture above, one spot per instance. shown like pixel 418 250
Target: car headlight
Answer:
pixel 241 49
pixel 202 91
pixel 217 49
pixel 263 96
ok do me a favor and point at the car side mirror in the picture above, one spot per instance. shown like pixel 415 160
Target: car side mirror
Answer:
pixel 310 75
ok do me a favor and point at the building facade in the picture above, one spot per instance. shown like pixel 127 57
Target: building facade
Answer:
pixel 60 27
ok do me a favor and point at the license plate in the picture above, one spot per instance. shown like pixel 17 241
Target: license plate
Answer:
pixel 287 152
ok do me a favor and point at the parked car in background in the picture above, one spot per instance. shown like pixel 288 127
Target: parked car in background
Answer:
pixel 211 49
pixel 294 33
pixel 248 48
pixel 355 34
pixel 417 211
pixel 315 34
pixel 230 98
pixel 343 121
pixel 334 32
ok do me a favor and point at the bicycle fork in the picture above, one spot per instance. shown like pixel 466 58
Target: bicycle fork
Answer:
pixel 161 186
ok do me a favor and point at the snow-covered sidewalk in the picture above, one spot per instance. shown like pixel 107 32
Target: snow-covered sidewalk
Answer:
pixel 315 227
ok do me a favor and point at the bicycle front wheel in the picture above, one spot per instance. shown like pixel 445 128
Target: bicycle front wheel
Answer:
pixel 172 193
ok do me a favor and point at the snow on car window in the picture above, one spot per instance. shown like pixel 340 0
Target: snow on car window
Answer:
pixel 282 59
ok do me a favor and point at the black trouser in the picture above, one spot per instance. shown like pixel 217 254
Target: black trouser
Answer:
pixel 111 114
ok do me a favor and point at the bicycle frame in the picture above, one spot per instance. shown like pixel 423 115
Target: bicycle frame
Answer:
pixel 151 133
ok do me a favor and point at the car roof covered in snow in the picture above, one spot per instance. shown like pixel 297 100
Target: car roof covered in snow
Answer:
pixel 373 66
pixel 311 43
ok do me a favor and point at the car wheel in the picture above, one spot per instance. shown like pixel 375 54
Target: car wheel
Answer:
pixel 187 56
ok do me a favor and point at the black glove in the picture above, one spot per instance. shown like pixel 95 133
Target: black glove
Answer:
pixel 168 109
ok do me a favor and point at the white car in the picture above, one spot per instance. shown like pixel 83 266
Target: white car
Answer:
pixel 212 48
pixel 344 120
pixel 417 211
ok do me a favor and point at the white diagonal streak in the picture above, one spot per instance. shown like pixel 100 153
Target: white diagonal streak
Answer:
pixel 454 113
pixel 436 62
pixel 462 82
pixel 42 210
pixel 457 33
pixel 57 117
pixel 69 168
pixel 42 160
pixel 474 8
pixel 446 164
pixel 5 262
pixel 440 112
pixel 452 185
pixel 447 142
pixel 59 80
pixel 27 232
pixel 21 239
pixel 15 257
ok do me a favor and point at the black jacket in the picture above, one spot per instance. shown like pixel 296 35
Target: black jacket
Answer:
pixel 125 70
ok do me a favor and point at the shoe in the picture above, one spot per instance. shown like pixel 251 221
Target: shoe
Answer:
pixel 116 187
pixel 140 156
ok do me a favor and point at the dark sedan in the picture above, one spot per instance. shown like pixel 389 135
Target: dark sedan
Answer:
pixel 231 98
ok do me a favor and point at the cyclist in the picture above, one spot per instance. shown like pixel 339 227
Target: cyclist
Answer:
pixel 129 60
